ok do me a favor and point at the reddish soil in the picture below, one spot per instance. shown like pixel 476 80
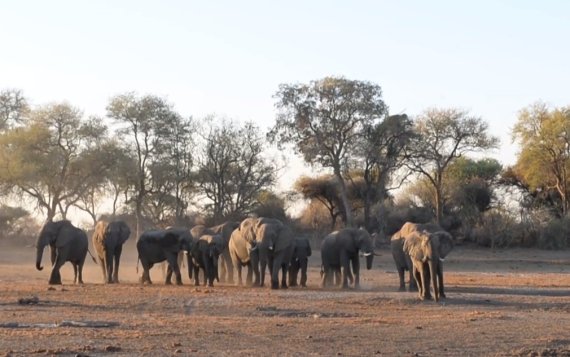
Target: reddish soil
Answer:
pixel 505 303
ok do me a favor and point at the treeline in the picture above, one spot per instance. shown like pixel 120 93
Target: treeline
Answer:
pixel 162 168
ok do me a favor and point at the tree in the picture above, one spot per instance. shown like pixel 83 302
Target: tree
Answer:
pixel 13 108
pixel 544 160
pixel 325 119
pixel 141 121
pixel 232 171
pixel 381 153
pixel 441 136
pixel 49 159
pixel 322 189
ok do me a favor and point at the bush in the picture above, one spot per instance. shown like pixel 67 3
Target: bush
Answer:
pixel 555 235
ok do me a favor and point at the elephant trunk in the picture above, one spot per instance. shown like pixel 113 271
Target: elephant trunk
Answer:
pixel 433 276
pixel 189 263
pixel 39 255
pixel 369 259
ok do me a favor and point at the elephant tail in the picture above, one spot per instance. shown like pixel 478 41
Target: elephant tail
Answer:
pixel 322 270
pixel 138 260
pixel 92 257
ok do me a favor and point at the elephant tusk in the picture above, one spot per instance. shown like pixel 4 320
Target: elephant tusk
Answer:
pixel 441 259
pixel 366 254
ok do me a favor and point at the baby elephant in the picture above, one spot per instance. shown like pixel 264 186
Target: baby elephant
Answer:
pixel 300 261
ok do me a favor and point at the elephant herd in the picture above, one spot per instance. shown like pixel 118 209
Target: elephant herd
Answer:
pixel 255 244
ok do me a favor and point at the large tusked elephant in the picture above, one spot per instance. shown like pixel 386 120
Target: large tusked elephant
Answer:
pixel 156 246
pixel 341 248
pixel 274 242
pixel 426 245
pixel 108 239
pixel 68 244
pixel 300 261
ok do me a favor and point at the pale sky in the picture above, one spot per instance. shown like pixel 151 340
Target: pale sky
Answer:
pixel 228 57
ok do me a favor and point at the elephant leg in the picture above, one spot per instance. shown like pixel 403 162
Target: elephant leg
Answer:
pixel 74 272
pixel 227 263
pixel 209 272
pixel 102 264
pixel 239 279
pixel 80 271
pixel 426 277
pixel 303 265
pixel 401 274
pixel 440 280
pixel 196 275
pixel 293 269
pixel 356 271
pixel 345 270
pixel 168 276
pixel 418 279
pixel 262 265
pixel 118 251
pixel 109 266
pixel 249 276
pixel 413 281
pixel 284 269
pixel 55 276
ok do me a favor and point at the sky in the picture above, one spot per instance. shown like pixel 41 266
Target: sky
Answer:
pixel 491 58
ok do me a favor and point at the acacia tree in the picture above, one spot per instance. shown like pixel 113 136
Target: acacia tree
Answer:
pixel 441 136
pixel 46 160
pixel 231 169
pixel 325 119
pixel 544 160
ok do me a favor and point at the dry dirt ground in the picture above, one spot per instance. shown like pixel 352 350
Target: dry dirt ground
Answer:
pixel 506 303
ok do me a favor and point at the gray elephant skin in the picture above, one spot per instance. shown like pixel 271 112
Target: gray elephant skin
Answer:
pixel 156 246
pixel 68 244
pixel 300 261
pixel 205 254
pixel 225 266
pixel 108 239
pixel 274 242
pixel 243 254
pixel 340 250
pixel 426 245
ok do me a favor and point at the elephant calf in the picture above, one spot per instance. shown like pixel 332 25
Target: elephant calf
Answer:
pixel 205 253
pixel 299 262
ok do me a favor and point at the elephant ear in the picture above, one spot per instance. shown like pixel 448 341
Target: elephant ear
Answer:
pixel 124 231
pixel 285 238
pixel 415 246
pixel 65 232
pixel 445 243
pixel 99 233
pixel 363 240
pixel 247 229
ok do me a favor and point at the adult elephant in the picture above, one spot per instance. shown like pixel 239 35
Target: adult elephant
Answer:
pixel 300 261
pixel 243 253
pixel 340 249
pixel 205 253
pixel 401 259
pixel 274 242
pixel 108 240
pixel 156 246
pixel 427 251
pixel 68 244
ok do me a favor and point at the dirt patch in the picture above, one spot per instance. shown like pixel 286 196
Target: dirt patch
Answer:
pixel 507 303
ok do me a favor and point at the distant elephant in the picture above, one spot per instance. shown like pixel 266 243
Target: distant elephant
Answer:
pixel 156 246
pixel 108 240
pixel 205 253
pixel 300 261
pixel 402 260
pixel 427 250
pixel 274 242
pixel 341 248
pixel 68 244
pixel 243 253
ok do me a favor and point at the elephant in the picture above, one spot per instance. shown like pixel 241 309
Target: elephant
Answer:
pixel 205 253
pixel 243 253
pixel 341 248
pixel 274 242
pixel 300 261
pixel 427 251
pixel 403 260
pixel 68 244
pixel 108 240
pixel 156 246
pixel 224 230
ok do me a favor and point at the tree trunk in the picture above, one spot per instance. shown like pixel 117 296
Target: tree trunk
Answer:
pixel 344 198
